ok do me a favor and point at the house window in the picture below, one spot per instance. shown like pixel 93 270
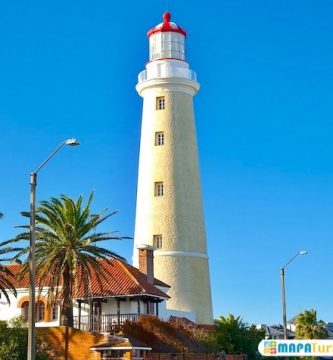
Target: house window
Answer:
pixel 159 191
pixel 158 241
pixel 40 311
pixel 159 138
pixel 54 311
pixel 160 103
pixel 25 310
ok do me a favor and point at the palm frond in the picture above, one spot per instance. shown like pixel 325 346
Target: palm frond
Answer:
pixel 66 245
pixel 7 279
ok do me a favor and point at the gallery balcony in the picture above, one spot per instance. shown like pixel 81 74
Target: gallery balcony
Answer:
pixel 107 323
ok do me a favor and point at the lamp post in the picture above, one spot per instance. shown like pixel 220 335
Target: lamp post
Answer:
pixel 283 288
pixel 32 263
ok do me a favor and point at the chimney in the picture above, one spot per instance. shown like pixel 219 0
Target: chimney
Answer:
pixel 146 261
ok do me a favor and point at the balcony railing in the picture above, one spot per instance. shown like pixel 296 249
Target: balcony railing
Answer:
pixel 110 323
pixel 167 72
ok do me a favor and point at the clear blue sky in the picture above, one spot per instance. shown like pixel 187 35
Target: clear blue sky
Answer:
pixel 264 120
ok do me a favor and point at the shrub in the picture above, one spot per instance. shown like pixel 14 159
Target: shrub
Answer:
pixel 14 342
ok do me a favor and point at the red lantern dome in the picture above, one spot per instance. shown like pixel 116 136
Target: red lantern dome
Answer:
pixel 167 26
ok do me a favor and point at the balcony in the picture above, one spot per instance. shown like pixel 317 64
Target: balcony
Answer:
pixel 108 323
pixel 165 71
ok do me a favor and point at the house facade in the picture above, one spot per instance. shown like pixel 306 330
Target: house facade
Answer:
pixel 275 332
pixel 122 294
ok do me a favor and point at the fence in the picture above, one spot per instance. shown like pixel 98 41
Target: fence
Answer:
pixel 194 356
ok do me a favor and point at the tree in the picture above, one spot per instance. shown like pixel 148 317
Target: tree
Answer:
pixel 230 333
pixel 67 243
pixel 253 336
pixel 7 281
pixel 233 336
pixel 308 327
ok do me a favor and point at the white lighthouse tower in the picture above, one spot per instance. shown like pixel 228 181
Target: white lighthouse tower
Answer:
pixel 169 213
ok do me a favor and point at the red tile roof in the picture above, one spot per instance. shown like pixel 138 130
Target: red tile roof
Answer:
pixel 22 283
pixel 120 279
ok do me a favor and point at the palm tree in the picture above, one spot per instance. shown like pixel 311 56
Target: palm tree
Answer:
pixel 6 277
pixel 67 244
pixel 236 337
pixel 308 327
pixel 230 333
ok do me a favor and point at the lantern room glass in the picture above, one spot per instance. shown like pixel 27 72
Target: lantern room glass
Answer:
pixel 166 45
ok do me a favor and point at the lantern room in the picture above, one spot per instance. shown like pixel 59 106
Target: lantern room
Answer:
pixel 167 40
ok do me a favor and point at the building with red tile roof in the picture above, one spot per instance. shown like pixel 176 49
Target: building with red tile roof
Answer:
pixel 119 293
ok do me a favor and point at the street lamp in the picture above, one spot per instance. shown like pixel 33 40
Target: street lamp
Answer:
pixel 32 263
pixel 284 311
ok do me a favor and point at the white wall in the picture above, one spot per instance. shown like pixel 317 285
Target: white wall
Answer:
pixel 8 312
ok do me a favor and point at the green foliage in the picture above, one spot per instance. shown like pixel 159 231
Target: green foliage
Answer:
pixel 66 240
pixel 207 339
pixel 14 342
pixel 7 281
pixel 308 327
pixel 252 339
pixel 230 334
pixel 6 277
pixel 17 322
pixel 233 336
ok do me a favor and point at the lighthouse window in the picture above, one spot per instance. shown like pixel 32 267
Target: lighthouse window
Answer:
pixel 158 241
pixel 160 103
pixel 159 189
pixel 159 138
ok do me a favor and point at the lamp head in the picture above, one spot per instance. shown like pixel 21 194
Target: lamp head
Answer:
pixel 303 252
pixel 72 142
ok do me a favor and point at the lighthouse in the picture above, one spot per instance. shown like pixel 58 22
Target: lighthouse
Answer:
pixel 169 211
